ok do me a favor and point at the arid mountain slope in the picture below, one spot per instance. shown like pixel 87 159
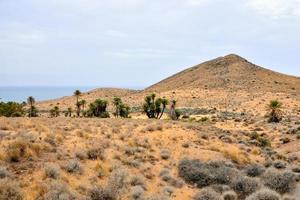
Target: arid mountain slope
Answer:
pixel 231 72
pixel 226 83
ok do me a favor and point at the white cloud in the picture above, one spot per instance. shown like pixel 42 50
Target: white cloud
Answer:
pixel 276 8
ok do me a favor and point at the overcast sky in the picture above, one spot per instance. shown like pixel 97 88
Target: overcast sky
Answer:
pixel 135 43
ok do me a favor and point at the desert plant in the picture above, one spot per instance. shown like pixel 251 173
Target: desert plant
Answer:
pixel 52 171
pixel 207 194
pixel 205 174
pixel 17 150
pixel 165 154
pixel 57 191
pixel 280 181
pixel 73 166
pixel 54 112
pixel 137 192
pixel 10 190
pixel 275 112
pixel 98 109
pixel 229 195
pixel 117 181
pixel 4 173
pixel 11 109
pixel 77 94
pixel 154 108
pixel 95 153
pixel 245 186
pixel 164 103
pixel 32 111
pixel 121 110
pixel 263 141
pixel 264 194
pixel 254 170
pixel 83 103
pixel 100 193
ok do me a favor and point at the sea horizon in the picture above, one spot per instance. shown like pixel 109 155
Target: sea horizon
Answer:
pixel 42 93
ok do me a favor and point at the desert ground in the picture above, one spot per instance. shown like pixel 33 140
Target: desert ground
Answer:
pixel 66 158
pixel 221 148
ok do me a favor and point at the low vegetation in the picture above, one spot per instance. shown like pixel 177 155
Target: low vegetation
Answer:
pixel 12 109
pixel 78 153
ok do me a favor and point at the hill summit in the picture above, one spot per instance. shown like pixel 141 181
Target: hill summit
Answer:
pixel 230 72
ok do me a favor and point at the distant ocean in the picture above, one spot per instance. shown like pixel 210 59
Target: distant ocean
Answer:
pixel 20 94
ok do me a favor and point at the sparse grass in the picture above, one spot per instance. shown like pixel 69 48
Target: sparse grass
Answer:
pixel 56 191
pixel 52 171
pixel 10 190
pixel 230 152
pixel 150 158
pixel 100 193
pixel 22 149
pixel 73 166
pixel 96 153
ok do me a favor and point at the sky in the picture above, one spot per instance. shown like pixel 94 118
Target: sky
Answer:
pixel 135 43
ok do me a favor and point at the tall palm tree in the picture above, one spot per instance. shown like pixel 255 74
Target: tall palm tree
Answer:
pixel 77 94
pixel 31 101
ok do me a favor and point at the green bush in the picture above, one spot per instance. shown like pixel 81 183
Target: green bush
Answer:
pixel 122 110
pixel 98 109
pixel 154 108
pixel 275 112
pixel 11 109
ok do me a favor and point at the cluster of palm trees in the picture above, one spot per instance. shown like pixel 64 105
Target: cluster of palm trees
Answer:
pixel 153 107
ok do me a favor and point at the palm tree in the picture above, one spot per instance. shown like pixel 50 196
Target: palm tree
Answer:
pixel 77 94
pixel 275 111
pixel 117 102
pixel 31 101
pixel 69 112
pixel 83 103
pixel 54 112
pixel 164 103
